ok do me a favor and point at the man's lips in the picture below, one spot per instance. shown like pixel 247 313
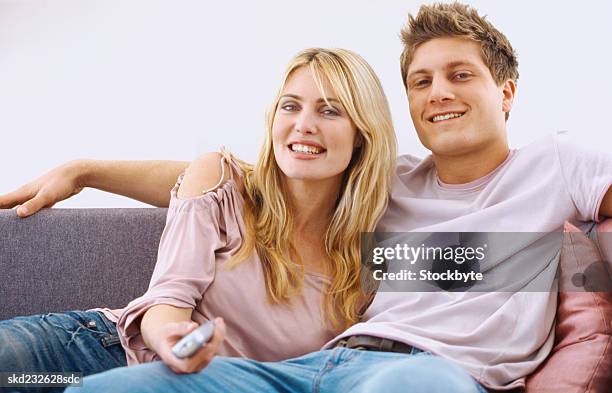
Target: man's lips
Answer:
pixel 445 116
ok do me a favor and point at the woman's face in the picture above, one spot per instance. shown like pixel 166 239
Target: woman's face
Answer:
pixel 312 140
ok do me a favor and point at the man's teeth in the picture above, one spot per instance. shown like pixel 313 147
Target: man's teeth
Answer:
pixel 446 117
pixel 305 149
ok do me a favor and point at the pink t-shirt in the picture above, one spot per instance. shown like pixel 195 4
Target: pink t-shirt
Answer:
pixel 200 236
pixel 498 337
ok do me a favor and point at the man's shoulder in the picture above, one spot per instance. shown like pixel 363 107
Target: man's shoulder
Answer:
pixel 562 146
pixel 408 163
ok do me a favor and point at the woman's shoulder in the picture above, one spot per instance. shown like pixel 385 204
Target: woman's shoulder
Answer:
pixel 206 172
pixel 211 179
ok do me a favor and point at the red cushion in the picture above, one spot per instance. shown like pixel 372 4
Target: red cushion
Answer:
pixel 581 360
pixel 604 238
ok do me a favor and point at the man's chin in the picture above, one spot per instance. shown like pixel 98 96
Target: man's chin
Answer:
pixel 451 144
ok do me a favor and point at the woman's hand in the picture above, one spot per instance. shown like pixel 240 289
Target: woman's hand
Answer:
pixel 164 338
pixel 54 186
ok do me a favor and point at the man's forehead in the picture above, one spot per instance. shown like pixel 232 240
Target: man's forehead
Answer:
pixel 444 53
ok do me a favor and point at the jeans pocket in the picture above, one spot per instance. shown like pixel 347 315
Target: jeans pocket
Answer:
pixel 68 322
pixel 77 323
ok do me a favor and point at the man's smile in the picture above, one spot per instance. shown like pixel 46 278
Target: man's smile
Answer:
pixel 446 116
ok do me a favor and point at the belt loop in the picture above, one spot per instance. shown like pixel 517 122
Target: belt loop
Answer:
pixel 386 345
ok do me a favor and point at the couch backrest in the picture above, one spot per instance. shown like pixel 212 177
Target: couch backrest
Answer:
pixel 65 259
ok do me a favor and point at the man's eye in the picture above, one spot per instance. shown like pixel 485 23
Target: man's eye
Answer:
pixel 462 75
pixel 421 82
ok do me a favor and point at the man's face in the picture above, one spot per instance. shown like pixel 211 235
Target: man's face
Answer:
pixel 456 106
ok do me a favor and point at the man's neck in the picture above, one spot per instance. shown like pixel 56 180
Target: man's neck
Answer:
pixel 466 168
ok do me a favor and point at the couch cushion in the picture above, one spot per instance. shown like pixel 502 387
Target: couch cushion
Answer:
pixel 581 360
pixel 65 259
pixel 604 239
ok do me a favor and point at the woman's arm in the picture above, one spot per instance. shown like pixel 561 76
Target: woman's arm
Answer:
pixel 180 277
pixel 146 181
pixel 158 316
pixel 163 325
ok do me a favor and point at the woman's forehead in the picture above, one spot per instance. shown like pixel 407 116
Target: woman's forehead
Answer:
pixel 304 82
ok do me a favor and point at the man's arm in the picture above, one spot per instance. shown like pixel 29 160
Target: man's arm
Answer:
pixel 146 181
pixel 606 205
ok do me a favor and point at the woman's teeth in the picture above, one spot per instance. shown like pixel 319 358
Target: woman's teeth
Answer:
pixel 305 149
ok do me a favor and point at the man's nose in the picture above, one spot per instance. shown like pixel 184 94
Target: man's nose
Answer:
pixel 441 91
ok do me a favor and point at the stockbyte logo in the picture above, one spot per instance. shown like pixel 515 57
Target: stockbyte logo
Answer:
pixel 469 261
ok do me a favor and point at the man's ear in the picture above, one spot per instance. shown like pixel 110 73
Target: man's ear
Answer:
pixel 509 90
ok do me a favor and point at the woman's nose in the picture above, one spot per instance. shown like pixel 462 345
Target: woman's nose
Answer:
pixel 306 122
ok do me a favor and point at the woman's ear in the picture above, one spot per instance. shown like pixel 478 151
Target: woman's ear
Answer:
pixel 358 140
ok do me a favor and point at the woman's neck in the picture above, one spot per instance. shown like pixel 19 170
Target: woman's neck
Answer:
pixel 312 203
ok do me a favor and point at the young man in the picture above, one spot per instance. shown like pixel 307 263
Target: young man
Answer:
pixel 460 75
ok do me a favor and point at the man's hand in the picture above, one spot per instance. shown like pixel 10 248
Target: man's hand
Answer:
pixel 169 334
pixel 54 186
pixel 606 205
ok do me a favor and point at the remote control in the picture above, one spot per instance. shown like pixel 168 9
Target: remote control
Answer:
pixel 189 345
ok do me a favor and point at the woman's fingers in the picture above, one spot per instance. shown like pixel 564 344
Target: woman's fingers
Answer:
pixel 205 355
pixel 170 335
pixel 201 358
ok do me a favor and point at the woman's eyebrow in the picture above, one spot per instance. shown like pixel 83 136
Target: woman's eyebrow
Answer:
pixel 329 99
pixel 299 98
pixel 294 96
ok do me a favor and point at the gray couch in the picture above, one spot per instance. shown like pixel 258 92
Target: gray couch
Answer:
pixel 66 259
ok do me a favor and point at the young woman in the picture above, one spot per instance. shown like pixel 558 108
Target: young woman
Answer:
pixel 273 248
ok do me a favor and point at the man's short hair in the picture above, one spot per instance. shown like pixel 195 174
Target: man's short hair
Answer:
pixel 459 20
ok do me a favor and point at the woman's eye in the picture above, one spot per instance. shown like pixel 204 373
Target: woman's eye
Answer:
pixel 288 107
pixel 330 112
pixel 421 82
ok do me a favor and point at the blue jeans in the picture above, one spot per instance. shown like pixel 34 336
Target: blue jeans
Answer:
pixel 75 341
pixel 335 370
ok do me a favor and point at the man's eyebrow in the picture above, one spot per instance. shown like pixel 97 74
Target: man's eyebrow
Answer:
pixel 452 64
pixel 299 98
pixel 458 63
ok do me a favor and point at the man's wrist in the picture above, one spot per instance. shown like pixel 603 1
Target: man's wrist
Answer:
pixel 84 171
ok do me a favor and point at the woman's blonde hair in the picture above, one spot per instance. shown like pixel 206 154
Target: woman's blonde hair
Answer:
pixel 362 197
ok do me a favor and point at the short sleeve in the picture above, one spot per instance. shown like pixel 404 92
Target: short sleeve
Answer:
pixel 587 175
pixel 196 230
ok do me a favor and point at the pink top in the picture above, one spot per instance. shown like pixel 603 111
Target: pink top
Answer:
pixel 200 236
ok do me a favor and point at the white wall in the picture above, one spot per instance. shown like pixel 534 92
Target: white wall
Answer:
pixel 155 79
